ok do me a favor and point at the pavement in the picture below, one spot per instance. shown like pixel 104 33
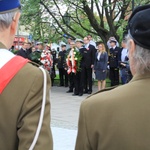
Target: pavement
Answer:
pixel 64 117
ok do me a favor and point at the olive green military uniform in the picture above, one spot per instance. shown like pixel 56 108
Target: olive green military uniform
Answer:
pixel 20 107
pixel 118 119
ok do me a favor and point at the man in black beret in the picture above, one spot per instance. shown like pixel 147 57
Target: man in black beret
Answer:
pixel 118 118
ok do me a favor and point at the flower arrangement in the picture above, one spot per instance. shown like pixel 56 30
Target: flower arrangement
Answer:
pixel 43 58
pixel 46 60
pixel 73 61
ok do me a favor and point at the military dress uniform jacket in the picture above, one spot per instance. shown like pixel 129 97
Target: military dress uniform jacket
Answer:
pixel 61 59
pixel 20 107
pixel 118 119
pixel 115 57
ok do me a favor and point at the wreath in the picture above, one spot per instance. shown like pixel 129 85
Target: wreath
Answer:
pixel 74 61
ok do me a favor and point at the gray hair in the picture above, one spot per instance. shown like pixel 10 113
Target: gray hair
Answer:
pixel 6 19
pixel 141 58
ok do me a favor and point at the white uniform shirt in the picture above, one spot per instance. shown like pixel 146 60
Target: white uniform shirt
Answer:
pixel 87 45
pixel 5 56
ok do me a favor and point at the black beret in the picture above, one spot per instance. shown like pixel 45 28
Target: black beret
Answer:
pixel 139 26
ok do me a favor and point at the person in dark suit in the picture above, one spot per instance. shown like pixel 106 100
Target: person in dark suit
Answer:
pixel 79 76
pixel 88 64
pixel 114 59
pixel 63 76
pixel 29 48
pixel 69 71
pixel 23 51
pixel 117 118
pixel 100 65
pixel 53 72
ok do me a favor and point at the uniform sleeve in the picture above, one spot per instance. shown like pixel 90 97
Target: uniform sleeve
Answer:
pixel 29 117
pixel 82 141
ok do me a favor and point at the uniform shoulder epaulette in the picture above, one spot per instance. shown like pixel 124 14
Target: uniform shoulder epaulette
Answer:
pixel 106 89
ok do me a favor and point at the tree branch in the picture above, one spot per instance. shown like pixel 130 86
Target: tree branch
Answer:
pixel 92 19
pixel 58 23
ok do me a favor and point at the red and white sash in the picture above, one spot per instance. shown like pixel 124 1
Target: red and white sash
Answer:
pixel 9 66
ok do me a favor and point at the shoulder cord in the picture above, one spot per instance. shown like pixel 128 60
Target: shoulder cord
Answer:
pixel 42 111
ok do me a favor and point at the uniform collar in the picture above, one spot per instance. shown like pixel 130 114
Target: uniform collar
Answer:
pixel 140 77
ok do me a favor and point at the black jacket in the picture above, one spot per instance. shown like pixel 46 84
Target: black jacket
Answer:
pixel 23 53
pixel 61 59
pixel 115 57
pixel 88 56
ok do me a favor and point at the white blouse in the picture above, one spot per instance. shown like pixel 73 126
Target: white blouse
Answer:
pixel 99 55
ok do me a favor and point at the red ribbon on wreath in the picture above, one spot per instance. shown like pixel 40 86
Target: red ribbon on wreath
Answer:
pixel 46 60
pixel 71 63
pixel 74 67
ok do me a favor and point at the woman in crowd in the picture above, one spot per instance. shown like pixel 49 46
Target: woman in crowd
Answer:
pixel 100 65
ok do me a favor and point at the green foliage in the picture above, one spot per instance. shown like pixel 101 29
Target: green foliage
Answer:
pixel 35 57
pixel 78 58
pixel 102 18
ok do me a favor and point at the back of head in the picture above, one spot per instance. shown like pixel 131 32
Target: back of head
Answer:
pixel 139 32
pixel 8 9
pixel 139 26
pixel 8 14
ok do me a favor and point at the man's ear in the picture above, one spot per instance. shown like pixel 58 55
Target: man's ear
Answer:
pixel 132 47
pixel 14 24
pixel 131 54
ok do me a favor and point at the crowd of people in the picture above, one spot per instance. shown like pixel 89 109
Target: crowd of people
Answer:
pixel 81 61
